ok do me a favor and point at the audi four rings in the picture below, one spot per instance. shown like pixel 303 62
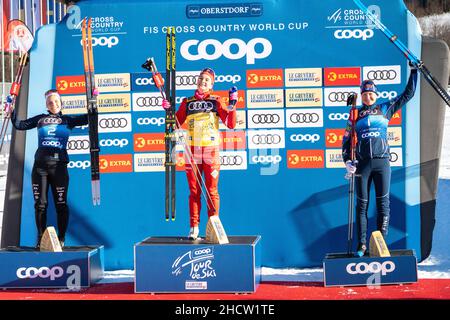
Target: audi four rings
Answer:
pixel 186 80
pixel 339 96
pixel 78 144
pixel 231 160
pixel 113 123
pixel 149 101
pixel 266 118
pixel 382 75
pixel 305 117
pixel 201 106
pixel 266 139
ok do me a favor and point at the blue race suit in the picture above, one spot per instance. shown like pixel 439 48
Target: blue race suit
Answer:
pixel 50 165
pixel 372 154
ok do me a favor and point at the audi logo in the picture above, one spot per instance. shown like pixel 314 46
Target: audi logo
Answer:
pixel 265 118
pixel 338 116
pixel 304 118
pixel 313 138
pixel 200 106
pixel 113 123
pixel 266 139
pixel 231 160
pixel 339 96
pixel 78 145
pixel 382 75
pixel 393 157
pixel 186 80
pixel 51 120
pixel 149 101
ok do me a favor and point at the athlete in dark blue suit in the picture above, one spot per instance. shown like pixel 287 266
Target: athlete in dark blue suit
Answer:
pixel 50 161
pixel 372 154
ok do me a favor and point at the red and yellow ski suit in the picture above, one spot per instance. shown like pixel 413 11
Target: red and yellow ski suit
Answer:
pixel 202 113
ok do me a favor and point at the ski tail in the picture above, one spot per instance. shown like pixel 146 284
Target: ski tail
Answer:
pixel 416 62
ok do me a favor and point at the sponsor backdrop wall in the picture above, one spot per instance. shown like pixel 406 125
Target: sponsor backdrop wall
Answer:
pixel 282 175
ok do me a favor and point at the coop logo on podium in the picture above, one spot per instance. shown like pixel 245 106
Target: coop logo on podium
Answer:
pixel 199 262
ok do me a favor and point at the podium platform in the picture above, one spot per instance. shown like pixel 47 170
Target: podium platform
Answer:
pixel 74 267
pixel 177 264
pixel 340 269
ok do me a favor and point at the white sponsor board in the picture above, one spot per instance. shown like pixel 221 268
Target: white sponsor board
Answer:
pixel 337 96
pixel 266 139
pixel 304 118
pixel 383 74
pixel 265 118
pixel 149 162
pixel 233 160
pixel 114 122
pixel 267 98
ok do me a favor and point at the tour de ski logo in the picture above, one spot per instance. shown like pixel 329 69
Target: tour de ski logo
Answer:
pixel 198 262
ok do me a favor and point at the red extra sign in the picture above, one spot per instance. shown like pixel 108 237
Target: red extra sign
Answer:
pixel 265 78
pixel 342 76
pixel 297 159
pixel 113 163
pixel 70 84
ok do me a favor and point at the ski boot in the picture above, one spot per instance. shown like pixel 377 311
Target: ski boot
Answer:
pixel 361 250
pixel 193 233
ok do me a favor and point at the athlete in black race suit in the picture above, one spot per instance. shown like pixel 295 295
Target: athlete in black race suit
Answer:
pixel 50 161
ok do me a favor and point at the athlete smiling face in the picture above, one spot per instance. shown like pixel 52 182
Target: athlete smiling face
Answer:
pixel 53 102
pixel 205 81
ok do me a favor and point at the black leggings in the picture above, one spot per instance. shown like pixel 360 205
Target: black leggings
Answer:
pixel 377 171
pixel 56 175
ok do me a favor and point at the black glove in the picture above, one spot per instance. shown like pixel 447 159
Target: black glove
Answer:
pixel 351 98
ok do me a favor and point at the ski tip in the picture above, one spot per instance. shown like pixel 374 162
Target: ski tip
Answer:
pixel 173 219
pixel 167 219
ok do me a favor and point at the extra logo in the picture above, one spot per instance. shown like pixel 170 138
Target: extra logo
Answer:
pixel 265 78
pixel 373 267
pixel 333 138
pixel 297 159
pixel 212 49
pixel 114 163
pixel 360 34
pixel 198 262
pixel 342 76
pixel 149 142
pixel 104 41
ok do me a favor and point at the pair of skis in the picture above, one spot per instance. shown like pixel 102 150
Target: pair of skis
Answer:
pixel 91 96
pixel 22 38
pixel 168 92
pixel 408 54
